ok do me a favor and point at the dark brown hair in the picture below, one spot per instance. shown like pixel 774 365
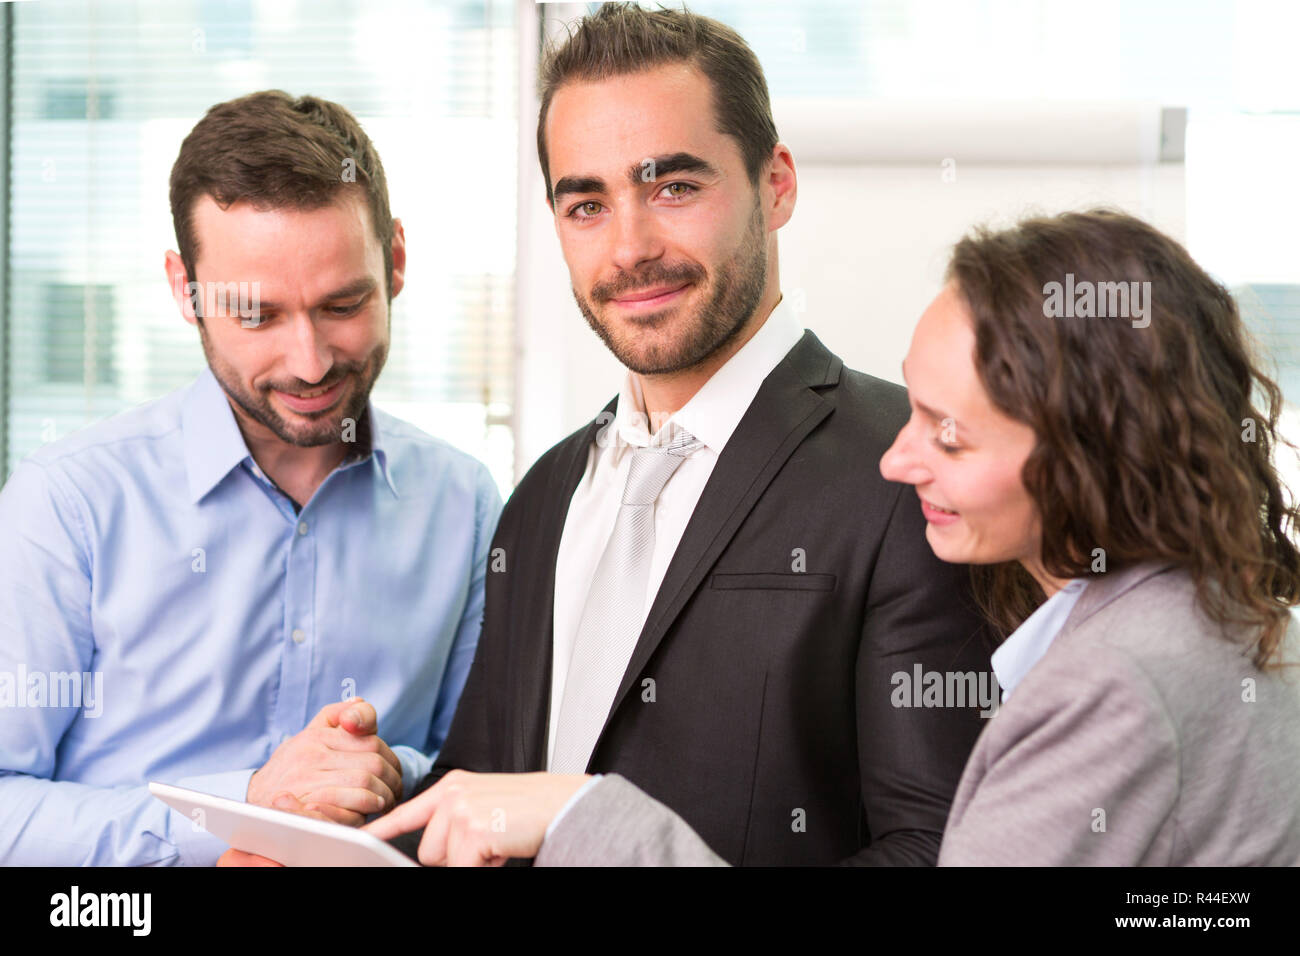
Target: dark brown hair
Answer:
pixel 275 151
pixel 1150 444
pixel 622 38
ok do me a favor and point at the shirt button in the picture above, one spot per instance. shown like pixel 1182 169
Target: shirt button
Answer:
pixel 299 635
pixel 302 527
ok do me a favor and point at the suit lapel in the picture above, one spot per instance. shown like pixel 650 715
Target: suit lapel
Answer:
pixel 534 621
pixel 786 408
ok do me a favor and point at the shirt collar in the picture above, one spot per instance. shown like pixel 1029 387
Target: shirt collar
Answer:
pixel 1030 641
pixel 714 412
pixel 377 449
pixel 214 445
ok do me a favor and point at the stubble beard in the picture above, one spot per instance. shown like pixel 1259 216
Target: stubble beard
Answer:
pixel 322 428
pixel 737 288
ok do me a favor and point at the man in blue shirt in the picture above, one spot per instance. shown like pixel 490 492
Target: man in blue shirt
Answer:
pixel 198 590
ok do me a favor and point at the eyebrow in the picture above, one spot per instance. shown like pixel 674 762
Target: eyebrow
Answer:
pixel 937 415
pixel 669 164
pixel 362 286
pixel 662 166
pixel 568 185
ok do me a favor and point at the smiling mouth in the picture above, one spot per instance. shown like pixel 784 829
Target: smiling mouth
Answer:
pixel 933 507
pixel 312 400
pixel 312 394
pixel 650 298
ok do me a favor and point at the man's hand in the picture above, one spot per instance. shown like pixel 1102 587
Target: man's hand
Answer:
pixel 481 819
pixel 337 763
pixel 283 801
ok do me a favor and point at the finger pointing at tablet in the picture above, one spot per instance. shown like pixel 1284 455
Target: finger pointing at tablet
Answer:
pixel 481 819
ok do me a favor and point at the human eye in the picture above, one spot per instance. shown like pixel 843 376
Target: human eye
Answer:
pixel 591 205
pixel 343 310
pixel 946 438
pixel 686 190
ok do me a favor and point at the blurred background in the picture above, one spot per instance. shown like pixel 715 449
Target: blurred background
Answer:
pixel 910 122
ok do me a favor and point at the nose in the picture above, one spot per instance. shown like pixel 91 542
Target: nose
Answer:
pixel 636 237
pixel 309 356
pixel 902 462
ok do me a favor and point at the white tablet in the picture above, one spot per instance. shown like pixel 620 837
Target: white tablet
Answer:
pixel 284 837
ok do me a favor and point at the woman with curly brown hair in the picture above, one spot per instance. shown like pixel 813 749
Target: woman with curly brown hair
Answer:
pixel 1090 433
pixel 1109 473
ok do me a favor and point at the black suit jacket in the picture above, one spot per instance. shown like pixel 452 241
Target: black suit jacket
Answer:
pixel 757 703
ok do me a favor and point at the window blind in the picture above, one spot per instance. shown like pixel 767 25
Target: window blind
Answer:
pixel 102 95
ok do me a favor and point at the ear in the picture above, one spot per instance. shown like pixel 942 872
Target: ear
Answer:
pixel 782 187
pixel 179 284
pixel 399 256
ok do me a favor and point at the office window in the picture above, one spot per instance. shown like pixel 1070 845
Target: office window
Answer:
pixel 101 96
pixel 78 333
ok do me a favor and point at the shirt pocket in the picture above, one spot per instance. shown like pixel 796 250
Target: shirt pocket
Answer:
pixel 781 580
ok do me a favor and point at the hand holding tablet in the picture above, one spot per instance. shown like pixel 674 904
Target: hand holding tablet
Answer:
pixel 284 837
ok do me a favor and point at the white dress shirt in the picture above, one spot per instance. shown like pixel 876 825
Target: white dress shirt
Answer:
pixel 711 415
pixel 1030 641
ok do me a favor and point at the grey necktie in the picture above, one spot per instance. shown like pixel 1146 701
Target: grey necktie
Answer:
pixel 612 618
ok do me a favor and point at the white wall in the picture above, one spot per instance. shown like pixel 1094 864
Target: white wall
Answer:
pixel 867 247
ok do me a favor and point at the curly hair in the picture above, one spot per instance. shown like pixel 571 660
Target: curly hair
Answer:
pixel 1150 444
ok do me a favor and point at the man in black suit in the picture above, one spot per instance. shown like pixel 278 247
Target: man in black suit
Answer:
pixel 730 639
pixel 757 698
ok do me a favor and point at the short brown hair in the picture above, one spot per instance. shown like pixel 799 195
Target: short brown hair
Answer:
pixel 622 38
pixel 275 151
pixel 1141 429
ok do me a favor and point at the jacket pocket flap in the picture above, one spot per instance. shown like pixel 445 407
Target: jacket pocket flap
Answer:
pixel 790 581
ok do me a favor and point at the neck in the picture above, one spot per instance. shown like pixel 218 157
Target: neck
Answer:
pixel 665 394
pixel 298 472
pixel 1049 584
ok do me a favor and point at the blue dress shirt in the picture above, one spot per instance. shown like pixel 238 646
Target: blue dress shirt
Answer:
pixel 1029 642
pixel 165 614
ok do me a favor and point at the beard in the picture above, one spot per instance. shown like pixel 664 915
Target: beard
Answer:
pixel 312 429
pixel 736 287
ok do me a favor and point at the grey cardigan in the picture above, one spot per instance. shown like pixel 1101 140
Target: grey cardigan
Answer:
pixel 1142 737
